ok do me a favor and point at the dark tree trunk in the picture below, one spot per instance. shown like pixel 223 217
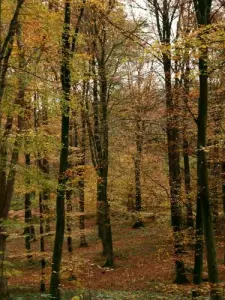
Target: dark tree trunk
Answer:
pixel 103 170
pixel 42 244
pixel 60 201
pixel 4 293
pixel 187 181
pixel 28 215
pixel 6 197
pixel 73 142
pixel 46 211
pixel 187 173
pixel 63 165
pixel 69 219
pixel 45 169
pixel 164 22
pixel 174 173
pixel 137 167
pixel 83 242
pixel 198 263
pixel 99 141
pixel 203 10
pixel 7 182
pixel 215 177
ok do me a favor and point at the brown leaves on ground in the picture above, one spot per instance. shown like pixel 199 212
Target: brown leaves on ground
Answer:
pixel 144 261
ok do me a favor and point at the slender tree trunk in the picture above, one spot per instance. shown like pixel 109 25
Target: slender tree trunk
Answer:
pixel 4 293
pixel 69 219
pixel 198 263
pixel 5 205
pixel 63 165
pixel 42 244
pixel 45 169
pixel 187 173
pixel 202 174
pixel 60 201
pixel 174 173
pixel 164 21
pixel 28 215
pixel 7 182
pixel 137 167
pixel 187 181
pixel 83 242
pixel 6 186
pixel 214 189
pixel 107 232
pixel 203 10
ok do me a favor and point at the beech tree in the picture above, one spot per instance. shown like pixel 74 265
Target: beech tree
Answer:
pixel 203 11
pixel 165 13
pixel 67 47
pixel 6 183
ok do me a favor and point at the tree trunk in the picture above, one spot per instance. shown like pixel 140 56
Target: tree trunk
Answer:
pixel 28 215
pixel 69 219
pixel 63 164
pixel 137 167
pixel 7 182
pixel 42 244
pixel 106 228
pixel 214 188
pixel 174 173
pixel 187 181
pixel 198 263
pixel 60 201
pixel 4 293
pixel 187 174
pixel 164 21
pixel 83 242
pixel 203 17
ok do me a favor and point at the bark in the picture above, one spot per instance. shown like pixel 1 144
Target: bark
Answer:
pixel 4 293
pixel 187 174
pixel 198 263
pixel 69 219
pixel 63 165
pixel 83 242
pixel 7 182
pixel 103 169
pixel 164 23
pixel 174 173
pixel 42 244
pixel 60 201
pixel 214 189
pixel 137 166
pixel 99 143
pixel 6 197
pixel 28 215
pixel 203 10
pixel 187 181
pixel 45 169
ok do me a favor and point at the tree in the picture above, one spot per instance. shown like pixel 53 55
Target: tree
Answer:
pixel 164 13
pixel 203 11
pixel 63 164
pixel 6 183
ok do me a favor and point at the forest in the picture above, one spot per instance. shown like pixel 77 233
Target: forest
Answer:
pixel 112 149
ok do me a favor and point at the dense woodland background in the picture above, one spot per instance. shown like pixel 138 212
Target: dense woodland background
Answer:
pixel 112 153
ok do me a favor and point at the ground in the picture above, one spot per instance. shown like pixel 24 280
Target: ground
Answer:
pixel 144 265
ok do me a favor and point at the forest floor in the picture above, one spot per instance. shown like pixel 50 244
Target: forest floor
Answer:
pixel 144 265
